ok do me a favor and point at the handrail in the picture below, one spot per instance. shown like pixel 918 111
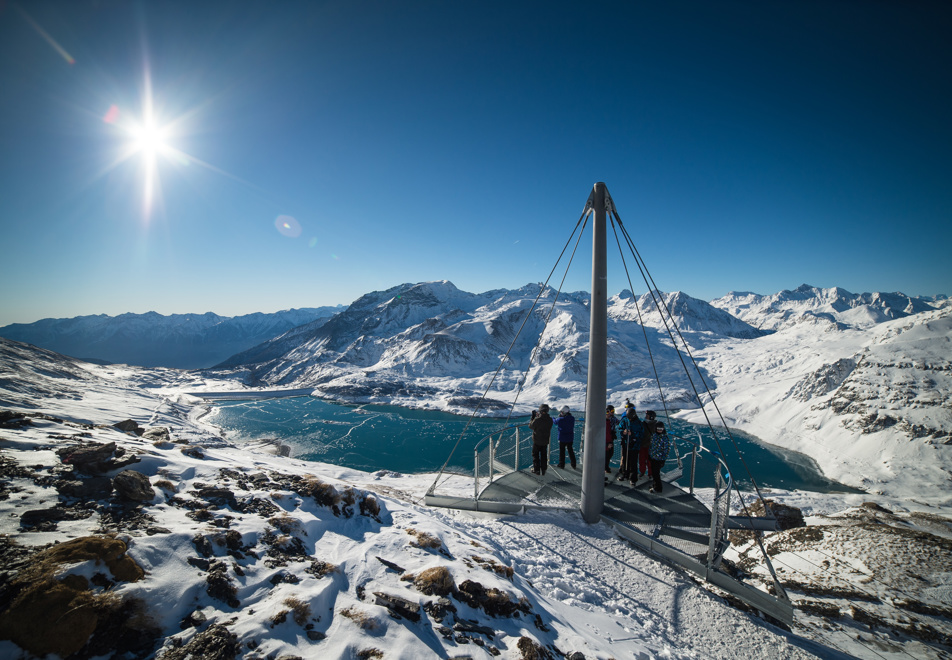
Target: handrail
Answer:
pixel 716 455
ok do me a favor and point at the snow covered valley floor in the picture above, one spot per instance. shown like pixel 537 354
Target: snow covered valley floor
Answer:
pixel 164 540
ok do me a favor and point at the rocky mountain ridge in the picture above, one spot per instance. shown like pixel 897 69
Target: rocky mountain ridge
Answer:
pixel 184 341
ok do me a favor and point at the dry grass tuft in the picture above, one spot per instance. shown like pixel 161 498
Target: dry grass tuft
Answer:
pixel 323 493
pixel 300 609
pixel 284 523
pixel 424 540
pixel 166 485
pixel 491 564
pixel 369 506
pixel 360 617
pixel 435 581
pixel 369 654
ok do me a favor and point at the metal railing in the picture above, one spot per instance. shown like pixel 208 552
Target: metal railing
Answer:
pixel 500 452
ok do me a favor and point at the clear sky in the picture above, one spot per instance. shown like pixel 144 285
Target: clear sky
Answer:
pixel 303 153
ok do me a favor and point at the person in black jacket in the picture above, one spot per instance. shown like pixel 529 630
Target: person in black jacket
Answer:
pixel 541 425
pixel 566 425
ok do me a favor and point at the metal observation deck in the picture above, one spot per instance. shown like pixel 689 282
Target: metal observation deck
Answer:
pixel 674 525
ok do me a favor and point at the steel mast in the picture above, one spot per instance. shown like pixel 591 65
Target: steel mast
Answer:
pixel 593 458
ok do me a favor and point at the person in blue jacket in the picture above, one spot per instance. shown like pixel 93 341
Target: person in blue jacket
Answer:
pixel 565 422
pixel 631 432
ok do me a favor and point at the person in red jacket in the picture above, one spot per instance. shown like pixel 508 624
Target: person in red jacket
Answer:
pixel 649 426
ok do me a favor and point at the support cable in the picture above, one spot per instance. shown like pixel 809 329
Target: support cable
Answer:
pixel 545 325
pixel 703 382
pixel 505 358
pixel 652 290
pixel 641 322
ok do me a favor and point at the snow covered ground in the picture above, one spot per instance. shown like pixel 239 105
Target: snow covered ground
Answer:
pixel 249 554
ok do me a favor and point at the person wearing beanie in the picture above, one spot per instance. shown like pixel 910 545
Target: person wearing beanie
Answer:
pixel 541 425
pixel 565 422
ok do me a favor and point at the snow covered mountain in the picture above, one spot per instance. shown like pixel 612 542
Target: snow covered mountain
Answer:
pixel 185 341
pixel 433 340
pixel 871 402
pixel 809 304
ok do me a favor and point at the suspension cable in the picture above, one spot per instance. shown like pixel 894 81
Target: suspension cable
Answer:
pixel 653 290
pixel 545 325
pixel 641 321
pixel 505 358
pixel 710 394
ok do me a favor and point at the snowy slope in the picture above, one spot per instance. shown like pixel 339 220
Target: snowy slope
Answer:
pixel 186 341
pixel 872 407
pixel 251 555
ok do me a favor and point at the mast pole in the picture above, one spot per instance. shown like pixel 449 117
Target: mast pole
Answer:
pixel 593 482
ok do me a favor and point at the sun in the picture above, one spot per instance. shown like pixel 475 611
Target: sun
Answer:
pixel 149 139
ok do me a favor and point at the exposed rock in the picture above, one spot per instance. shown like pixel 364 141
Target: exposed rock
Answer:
pixel 467 626
pixel 156 434
pixel 203 545
pixel 95 458
pixel 214 643
pixel 44 520
pixel 220 586
pixel 13 420
pixel 531 650
pixel 193 451
pixel 87 457
pixel 787 516
pixel 128 426
pixel 86 489
pixel 391 565
pixel 439 609
pixel 398 606
pixel 219 496
pixel 133 486
pixel 50 615
pixel 193 620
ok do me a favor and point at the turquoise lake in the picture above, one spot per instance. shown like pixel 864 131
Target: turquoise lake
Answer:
pixel 377 437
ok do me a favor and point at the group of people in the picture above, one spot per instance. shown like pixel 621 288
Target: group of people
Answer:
pixel 644 444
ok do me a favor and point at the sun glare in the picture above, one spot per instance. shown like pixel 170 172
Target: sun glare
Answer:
pixel 149 139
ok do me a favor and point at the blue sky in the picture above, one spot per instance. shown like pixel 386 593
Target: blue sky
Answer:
pixel 749 146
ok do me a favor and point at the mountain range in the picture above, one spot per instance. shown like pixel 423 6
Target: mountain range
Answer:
pixel 184 341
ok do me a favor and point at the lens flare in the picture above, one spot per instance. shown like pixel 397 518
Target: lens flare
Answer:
pixel 287 226
pixel 112 115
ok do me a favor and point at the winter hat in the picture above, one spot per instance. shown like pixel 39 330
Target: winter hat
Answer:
pixel 543 407
pixel 659 427
pixel 565 410
pixel 610 409
pixel 650 414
